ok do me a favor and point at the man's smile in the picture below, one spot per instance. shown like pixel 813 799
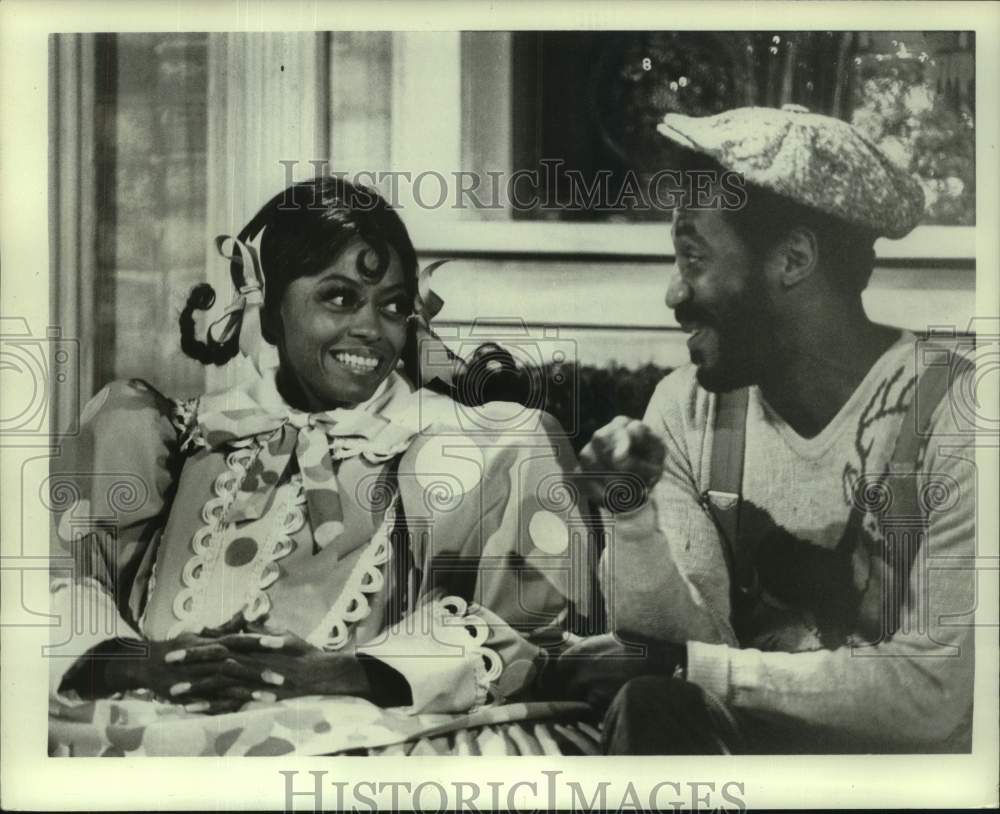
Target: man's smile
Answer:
pixel 696 329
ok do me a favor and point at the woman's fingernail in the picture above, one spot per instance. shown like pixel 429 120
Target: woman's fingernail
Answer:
pixel 262 695
pixel 179 687
pixel 273 642
pixel 271 677
pixel 197 706
pixel 175 655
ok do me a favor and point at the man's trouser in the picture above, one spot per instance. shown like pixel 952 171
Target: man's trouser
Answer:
pixel 657 715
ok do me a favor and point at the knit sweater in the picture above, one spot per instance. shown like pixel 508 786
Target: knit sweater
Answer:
pixel 798 675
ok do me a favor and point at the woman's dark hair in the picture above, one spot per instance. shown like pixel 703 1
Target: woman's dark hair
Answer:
pixel 306 227
pixel 847 250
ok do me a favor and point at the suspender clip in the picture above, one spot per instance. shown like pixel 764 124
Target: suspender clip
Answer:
pixel 719 499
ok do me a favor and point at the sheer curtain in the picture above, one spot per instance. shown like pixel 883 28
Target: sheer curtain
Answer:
pixel 72 233
pixel 127 182
pixel 267 123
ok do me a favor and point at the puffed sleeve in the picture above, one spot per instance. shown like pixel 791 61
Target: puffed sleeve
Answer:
pixel 503 555
pixel 110 488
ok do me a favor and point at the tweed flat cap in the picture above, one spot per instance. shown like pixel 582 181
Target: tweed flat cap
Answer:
pixel 818 161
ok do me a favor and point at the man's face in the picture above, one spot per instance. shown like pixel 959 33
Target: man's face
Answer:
pixel 341 335
pixel 718 297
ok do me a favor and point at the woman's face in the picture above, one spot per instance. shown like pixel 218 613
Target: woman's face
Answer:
pixel 341 335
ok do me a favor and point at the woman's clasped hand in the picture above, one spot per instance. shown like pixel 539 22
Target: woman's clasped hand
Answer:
pixel 221 669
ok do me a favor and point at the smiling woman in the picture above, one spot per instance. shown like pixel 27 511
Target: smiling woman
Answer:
pixel 269 559
pixel 347 329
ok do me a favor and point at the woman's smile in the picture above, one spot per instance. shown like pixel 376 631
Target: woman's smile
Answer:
pixel 360 361
pixel 342 331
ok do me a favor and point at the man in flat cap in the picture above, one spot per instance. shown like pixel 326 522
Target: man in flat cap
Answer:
pixel 782 588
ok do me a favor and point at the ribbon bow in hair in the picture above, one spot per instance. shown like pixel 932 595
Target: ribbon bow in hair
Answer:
pixel 436 360
pixel 242 316
pixel 313 440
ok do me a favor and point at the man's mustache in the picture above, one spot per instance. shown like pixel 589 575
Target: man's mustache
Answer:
pixel 686 312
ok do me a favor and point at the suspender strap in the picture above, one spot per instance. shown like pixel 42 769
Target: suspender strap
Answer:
pixel 722 500
pixel 931 389
pixel 881 604
pixel 730 439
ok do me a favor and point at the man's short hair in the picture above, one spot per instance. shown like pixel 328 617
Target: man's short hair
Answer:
pixel 847 251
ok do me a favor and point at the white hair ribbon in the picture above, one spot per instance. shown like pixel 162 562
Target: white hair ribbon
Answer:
pixel 242 315
pixel 436 360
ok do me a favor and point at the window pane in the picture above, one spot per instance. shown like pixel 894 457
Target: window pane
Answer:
pixel 591 100
pixel 915 96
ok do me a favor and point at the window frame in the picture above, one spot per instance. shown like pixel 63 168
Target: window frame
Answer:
pixel 449 231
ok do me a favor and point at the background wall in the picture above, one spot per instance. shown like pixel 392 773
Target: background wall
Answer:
pixel 162 141
pixel 615 312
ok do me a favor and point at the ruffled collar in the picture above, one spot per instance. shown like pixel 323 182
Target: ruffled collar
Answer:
pixel 255 406
pixel 290 440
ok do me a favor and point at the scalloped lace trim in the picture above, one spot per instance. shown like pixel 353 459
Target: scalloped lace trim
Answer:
pixel 455 624
pixel 207 541
pixel 366 578
pixel 63 583
pixel 286 523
